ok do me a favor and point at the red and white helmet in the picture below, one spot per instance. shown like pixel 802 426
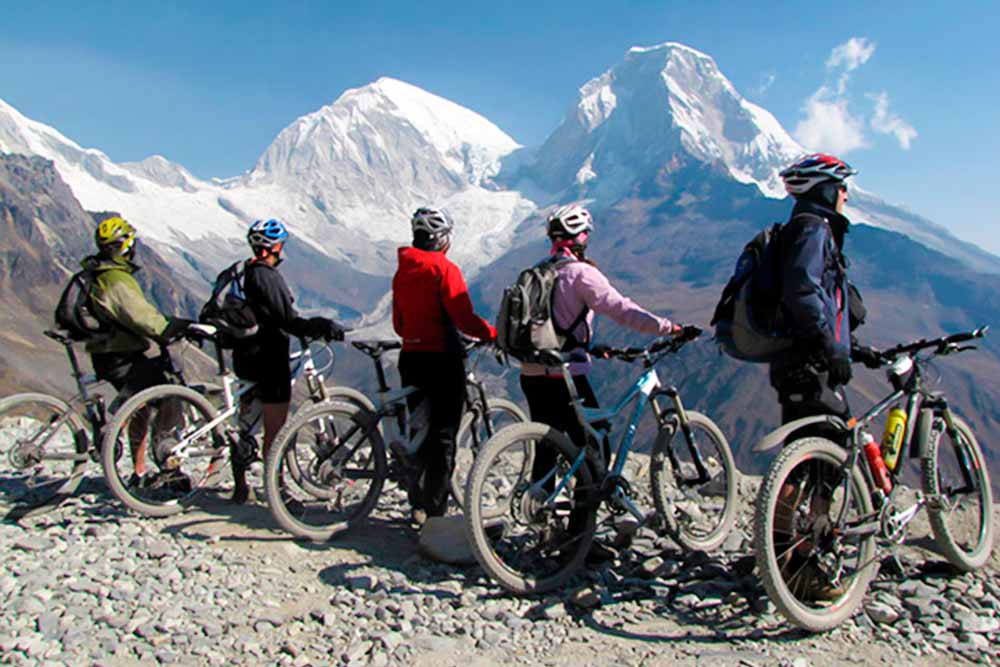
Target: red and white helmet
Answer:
pixel 569 221
pixel 813 170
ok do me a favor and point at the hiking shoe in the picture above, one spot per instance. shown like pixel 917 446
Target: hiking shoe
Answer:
pixel 814 585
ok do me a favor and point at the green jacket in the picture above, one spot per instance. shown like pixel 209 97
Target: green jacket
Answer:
pixel 116 297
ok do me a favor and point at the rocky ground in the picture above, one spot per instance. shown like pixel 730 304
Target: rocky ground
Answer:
pixel 90 584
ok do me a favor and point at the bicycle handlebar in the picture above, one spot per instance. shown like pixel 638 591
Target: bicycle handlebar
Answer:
pixel 944 344
pixel 668 345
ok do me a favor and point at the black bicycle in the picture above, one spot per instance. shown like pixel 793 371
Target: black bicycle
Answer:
pixel 828 499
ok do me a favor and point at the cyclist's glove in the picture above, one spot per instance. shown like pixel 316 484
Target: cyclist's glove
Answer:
pixel 839 371
pixel 175 329
pixel 868 356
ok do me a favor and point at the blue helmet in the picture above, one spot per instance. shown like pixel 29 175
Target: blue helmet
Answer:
pixel 266 234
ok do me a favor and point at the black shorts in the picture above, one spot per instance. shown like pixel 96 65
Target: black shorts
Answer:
pixel 129 373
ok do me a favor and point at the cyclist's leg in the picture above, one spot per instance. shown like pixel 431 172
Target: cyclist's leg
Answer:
pixel 445 393
pixel 251 417
pixel 549 403
pixel 117 370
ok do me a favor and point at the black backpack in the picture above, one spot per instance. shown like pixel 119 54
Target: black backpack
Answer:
pixel 525 327
pixel 227 308
pixel 748 320
pixel 75 314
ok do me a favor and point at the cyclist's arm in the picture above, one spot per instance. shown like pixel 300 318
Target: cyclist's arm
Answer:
pixel 458 304
pixel 602 298
pixel 397 313
pixel 274 303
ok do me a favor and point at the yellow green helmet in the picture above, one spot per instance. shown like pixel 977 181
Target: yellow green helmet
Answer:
pixel 115 231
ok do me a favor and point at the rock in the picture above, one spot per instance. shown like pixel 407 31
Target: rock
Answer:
pixel 33 543
pixel 443 539
pixel 881 613
pixel 585 598
pixel 158 549
pixel 973 623
pixel 362 582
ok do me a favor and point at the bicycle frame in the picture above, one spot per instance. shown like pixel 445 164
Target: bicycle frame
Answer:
pixel 642 393
pixel 234 388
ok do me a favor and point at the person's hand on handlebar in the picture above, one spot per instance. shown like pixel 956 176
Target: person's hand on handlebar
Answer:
pixel 868 356
pixel 601 351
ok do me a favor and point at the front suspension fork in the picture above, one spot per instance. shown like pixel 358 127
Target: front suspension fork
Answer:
pixel 685 426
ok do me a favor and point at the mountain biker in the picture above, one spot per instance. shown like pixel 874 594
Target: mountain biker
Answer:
pixel 814 292
pixel 119 357
pixel 821 309
pixel 430 305
pixel 581 291
pixel 263 357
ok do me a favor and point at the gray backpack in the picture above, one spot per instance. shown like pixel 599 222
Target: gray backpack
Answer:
pixel 525 327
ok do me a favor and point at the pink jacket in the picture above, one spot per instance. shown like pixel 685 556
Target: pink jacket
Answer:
pixel 583 285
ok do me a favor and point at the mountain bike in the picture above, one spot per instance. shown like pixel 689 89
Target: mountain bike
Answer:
pixel 532 532
pixel 343 447
pixel 191 436
pixel 45 444
pixel 829 500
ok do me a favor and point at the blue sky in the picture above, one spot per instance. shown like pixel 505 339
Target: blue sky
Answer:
pixel 209 85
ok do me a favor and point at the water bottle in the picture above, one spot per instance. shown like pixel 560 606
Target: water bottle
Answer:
pixel 892 439
pixel 875 463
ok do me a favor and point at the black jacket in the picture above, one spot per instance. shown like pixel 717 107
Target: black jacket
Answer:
pixel 270 299
pixel 814 294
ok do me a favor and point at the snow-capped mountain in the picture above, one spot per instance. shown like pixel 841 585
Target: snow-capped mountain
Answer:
pixel 665 108
pixel 344 178
pixel 658 103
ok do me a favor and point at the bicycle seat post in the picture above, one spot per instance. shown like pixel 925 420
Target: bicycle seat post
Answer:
pixel 383 386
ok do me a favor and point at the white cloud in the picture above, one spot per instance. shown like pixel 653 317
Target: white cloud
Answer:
pixel 851 55
pixel 885 122
pixel 828 124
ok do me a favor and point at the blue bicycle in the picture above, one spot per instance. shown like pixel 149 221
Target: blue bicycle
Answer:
pixel 531 529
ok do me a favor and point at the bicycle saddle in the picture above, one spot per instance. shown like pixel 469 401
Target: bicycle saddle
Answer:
pixel 375 348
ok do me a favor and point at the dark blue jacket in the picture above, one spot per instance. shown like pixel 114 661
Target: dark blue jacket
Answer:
pixel 814 286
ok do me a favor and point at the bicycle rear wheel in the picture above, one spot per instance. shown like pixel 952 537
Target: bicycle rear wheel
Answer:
pixel 814 573
pixel 325 470
pixel 162 432
pixel 43 454
pixel 526 536
pixel 474 432
pixel 699 511
pixel 957 484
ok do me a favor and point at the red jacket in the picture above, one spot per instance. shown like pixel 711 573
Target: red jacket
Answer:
pixel 430 300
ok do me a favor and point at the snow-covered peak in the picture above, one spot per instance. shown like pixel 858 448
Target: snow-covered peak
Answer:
pixel 164 172
pixel 385 121
pixel 658 102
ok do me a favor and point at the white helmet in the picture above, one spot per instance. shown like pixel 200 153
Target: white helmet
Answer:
pixel 568 221
pixel 435 222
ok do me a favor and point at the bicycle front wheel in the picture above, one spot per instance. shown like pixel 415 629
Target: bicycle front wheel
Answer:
pixel 530 536
pixel 699 509
pixel 159 451
pixel 957 484
pixel 815 572
pixel 43 454
pixel 325 470
pixel 473 433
